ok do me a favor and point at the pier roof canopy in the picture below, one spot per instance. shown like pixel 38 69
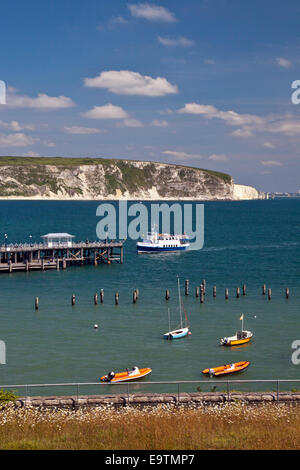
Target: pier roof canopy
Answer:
pixel 60 238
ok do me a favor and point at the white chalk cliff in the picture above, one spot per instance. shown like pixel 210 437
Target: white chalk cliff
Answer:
pixel 104 179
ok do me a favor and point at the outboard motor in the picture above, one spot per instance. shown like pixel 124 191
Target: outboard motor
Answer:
pixel 110 375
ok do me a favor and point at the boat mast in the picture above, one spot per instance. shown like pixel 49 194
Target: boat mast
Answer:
pixel 179 302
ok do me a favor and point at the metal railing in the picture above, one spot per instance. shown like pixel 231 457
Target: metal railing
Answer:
pixel 130 385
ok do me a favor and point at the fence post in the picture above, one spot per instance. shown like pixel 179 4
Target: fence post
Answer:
pixel 77 391
pixel 277 390
pixel 178 398
pixel 128 396
pixel 228 393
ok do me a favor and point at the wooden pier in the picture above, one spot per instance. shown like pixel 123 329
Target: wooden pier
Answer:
pixel 39 256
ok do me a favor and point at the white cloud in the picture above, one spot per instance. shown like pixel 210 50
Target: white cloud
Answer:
pixel 271 163
pixel 209 61
pixel 244 132
pixel 157 123
pixel 230 117
pixel 130 123
pixel 40 102
pixel 118 20
pixel 218 158
pixel 180 41
pixel 16 126
pixel 268 145
pixel 125 82
pixel 182 155
pixel 152 12
pixel 108 111
pixel 16 140
pixel 82 130
pixel 285 63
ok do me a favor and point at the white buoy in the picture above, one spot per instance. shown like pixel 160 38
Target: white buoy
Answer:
pixel 95 326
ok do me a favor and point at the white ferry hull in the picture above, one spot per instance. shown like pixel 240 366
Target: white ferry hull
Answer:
pixel 141 248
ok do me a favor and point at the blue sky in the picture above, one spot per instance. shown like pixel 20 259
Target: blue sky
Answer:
pixel 205 83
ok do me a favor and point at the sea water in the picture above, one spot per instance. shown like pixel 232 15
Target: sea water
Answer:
pixel 247 242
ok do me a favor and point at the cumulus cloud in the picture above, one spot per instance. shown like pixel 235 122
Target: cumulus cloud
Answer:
pixel 125 82
pixel 16 140
pixel 180 41
pixel 285 63
pixel 82 130
pixel 248 124
pixel 230 117
pixel 130 123
pixel 218 158
pixel 268 145
pixel 40 102
pixel 108 111
pixel 182 155
pixel 271 163
pixel 157 123
pixel 152 12
pixel 16 126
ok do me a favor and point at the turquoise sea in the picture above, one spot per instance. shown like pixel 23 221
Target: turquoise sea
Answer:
pixel 251 242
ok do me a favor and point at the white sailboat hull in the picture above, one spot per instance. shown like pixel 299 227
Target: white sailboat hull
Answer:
pixel 176 334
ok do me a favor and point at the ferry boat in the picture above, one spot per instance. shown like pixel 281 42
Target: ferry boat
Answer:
pixel 163 242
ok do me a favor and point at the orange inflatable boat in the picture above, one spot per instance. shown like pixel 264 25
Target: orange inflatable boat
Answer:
pixel 227 368
pixel 133 374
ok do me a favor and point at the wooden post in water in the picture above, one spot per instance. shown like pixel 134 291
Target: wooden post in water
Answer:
pixel 287 292
pixel 204 286
pixel 201 294
pixel 137 293
pixel 167 294
pixel 95 299
pixel 134 297
pixel 237 292
pixel 73 300
pixel 226 294
pixel 244 289
pixel 36 303
pixel 214 291
pixel 197 291
pixel 264 289
pixel 269 294
pixel 102 296
pixel 117 298
pixel 187 287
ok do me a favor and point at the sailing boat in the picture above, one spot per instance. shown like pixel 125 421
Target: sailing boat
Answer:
pixel 183 330
pixel 241 337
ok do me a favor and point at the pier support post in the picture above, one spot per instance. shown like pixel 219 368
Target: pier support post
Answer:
pixel 187 287
pixel 287 292
pixel 204 286
pixel 117 298
pixel 244 289
pixel 73 300
pixel 237 292
pixel 197 291
pixel 137 293
pixel 95 299
pixel 214 291
pixel 226 294
pixel 36 303
pixel 263 289
pixel 134 297
pixel 102 296
pixel 269 294
pixel 167 294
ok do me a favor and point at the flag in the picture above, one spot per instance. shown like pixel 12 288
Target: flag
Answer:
pixel 242 317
